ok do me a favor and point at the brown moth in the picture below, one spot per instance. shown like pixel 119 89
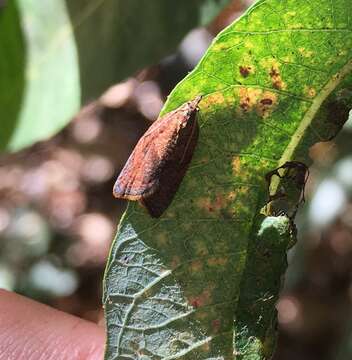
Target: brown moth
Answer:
pixel 158 163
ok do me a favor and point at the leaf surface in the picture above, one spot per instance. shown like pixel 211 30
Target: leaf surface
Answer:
pixel 39 76
pixel 39 83
pixel 201 282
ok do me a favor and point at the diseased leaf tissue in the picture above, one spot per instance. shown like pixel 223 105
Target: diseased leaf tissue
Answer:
pixel 160 159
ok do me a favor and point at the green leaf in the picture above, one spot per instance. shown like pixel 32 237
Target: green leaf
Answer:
pixel 39 83
pixel 11 70
pixel 201 282
pixel 57 49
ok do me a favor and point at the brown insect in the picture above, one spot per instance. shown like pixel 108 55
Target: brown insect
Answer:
pixel 158 163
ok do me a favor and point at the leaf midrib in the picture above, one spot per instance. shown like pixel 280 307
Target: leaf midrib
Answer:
pixel 309 117
pixel 313 110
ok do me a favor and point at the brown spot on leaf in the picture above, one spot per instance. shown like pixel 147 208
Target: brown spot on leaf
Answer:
pixel 245 71
pixel 276 78
pixel 266 101
pixel 249 98
pixel 204 298
pixel 263 102
pixel 274 73
pixel 220 202
pixel 196 266
pixel 278 84
pixel 245 104
pixel 213 206
pixel 204 203
pixel 266 104
pixel 195 303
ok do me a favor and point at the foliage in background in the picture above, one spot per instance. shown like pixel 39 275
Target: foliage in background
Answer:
pixel 273 84
pixel 58 52
pixel 39 75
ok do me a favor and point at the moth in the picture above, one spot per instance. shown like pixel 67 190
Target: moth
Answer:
pixel 158 163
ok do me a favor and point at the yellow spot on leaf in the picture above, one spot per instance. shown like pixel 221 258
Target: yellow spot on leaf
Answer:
pixel 249 44
pixel 288 58
pixel 249 98
pixel 310 92
pixel 220 46
pixel 216 98
pixel 255 99
pixel 231 196
pixel 304 52
pixel 269 63
pixel 236 164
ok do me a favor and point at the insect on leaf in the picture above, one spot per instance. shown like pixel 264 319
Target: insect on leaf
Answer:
pixel 160 159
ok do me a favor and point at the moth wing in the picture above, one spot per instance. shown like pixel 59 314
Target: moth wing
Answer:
pixel 172 171
pixel 140 175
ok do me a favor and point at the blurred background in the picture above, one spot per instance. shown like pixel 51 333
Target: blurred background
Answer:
pixel 58 216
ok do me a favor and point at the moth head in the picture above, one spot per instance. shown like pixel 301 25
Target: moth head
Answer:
pixel 192 106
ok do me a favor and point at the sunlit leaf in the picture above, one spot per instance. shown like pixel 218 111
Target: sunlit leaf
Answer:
pixel 201 282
